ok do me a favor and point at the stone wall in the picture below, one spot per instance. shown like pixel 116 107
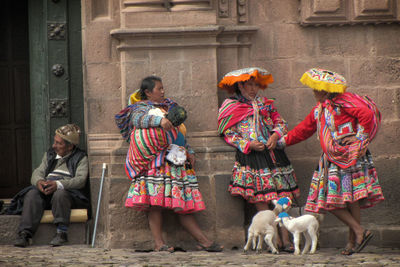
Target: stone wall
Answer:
pixel 191 46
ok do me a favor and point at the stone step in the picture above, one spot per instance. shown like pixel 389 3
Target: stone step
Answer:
pixel 78 233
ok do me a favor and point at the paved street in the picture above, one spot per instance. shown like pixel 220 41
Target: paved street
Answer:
pixel 80 255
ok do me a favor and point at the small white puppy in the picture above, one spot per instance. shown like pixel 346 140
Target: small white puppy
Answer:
pixel 306 224
pixel 262 225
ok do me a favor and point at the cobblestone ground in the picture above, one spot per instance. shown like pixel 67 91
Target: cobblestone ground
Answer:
pixel 79 255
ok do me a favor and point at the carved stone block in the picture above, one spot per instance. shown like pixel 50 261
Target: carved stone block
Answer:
pixel 165 5
pixel 373 9
pixel 327 6
pixel 223 8
pixel 242 10
pixel 330 12
pixel 323 11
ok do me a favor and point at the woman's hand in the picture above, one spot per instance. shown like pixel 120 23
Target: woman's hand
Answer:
pixel 166 124
pixel 257 146
pixel 272 140
pixel 348 140
pixel 191 158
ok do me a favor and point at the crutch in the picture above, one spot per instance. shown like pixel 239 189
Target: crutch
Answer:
pixel 98 204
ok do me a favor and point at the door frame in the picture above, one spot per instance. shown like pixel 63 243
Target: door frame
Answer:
pixel 56 95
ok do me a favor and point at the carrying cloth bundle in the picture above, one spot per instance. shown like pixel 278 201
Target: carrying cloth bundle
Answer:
pixel 147 149
pixel 347 155
pixel 148 146
pixel 332 82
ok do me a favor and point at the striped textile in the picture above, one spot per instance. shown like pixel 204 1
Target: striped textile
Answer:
pixel 347 155
pixel 231 112
pixel 147 149
pixel 342 155
pixel 124 118
pixel 124 122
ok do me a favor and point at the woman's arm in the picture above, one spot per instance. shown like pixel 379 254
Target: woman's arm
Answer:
pixel 280 125
pixel 141 119
pixel 280 128
pixel 303 130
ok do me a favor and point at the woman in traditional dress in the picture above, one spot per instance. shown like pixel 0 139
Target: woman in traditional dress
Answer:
pixel 345 179
pixel 161 180
pixel 262 172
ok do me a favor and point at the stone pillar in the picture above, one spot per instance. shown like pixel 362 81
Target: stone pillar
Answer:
pixel 190 46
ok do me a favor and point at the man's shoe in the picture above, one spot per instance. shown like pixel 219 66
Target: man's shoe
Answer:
pixel 59 239
pixel 23 240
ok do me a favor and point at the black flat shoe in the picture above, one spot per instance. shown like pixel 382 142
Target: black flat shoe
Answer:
pixel 214 247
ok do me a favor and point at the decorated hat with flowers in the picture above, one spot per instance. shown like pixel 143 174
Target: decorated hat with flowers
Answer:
pixel 261 76
pixel 324 80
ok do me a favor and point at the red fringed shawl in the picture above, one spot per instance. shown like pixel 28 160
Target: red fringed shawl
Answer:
pixel 232 112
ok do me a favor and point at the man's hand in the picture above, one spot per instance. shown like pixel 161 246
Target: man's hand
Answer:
pixel 50 187
pixel 191 158
pixel 271 143
pixel 166 124
pixel 41 184
pixel 257 146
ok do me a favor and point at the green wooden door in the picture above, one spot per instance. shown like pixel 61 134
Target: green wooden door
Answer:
pixel 55 70
pixel 40 83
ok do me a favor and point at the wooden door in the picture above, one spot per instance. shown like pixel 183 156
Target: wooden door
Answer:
pixel 40 83
pixel 15 138
pixel 56 70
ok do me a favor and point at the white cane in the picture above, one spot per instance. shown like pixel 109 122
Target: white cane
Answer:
pixel 98 204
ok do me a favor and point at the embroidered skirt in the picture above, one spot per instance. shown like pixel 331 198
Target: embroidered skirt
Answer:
pixel 263 176
pixel 356 183
pixel 170 186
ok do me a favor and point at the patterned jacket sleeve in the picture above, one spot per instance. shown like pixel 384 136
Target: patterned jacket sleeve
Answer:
pixel 280 125
pixel 141 119
pixel 234 138
pixel 303 130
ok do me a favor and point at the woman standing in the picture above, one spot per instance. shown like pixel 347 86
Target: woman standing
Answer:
pixel 262 172
pixel 157 183
pixel 346 179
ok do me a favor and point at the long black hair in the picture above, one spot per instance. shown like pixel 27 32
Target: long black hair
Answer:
pixel 148 83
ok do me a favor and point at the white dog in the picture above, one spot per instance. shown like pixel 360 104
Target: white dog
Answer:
pixel 306 224
pixel 262 225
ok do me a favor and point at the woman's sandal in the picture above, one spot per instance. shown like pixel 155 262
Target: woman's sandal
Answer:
pixel 367 235
pixel 165 248
pixel 287 248
pixel 347 251
pixel 214 247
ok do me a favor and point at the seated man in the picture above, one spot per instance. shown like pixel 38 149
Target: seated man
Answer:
pixel 58 183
